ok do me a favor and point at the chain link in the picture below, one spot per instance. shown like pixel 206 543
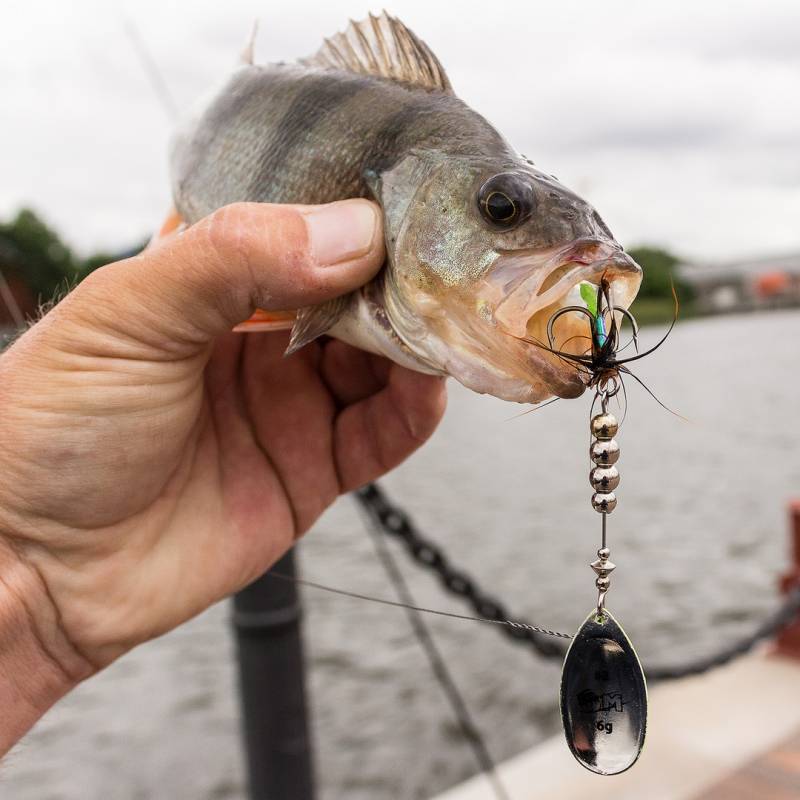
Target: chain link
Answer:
pixel 396 523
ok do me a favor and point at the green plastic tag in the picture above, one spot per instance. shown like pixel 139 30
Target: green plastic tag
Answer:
pixel 589 296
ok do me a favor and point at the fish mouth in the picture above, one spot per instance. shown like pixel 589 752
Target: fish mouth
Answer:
pixel 530 286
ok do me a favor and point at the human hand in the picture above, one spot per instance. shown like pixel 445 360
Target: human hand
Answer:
pixel 152 462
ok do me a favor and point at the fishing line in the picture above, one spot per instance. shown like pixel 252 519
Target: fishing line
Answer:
pixel 397 604
pixel 151 69
pixel 438 664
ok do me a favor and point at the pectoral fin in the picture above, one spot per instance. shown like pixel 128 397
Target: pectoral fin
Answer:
pixel 267 321
pixel 314 321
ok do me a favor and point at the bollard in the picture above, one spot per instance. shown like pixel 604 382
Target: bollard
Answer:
pixel 787 642
pixel 266 619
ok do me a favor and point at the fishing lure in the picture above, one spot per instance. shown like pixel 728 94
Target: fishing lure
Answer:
pixel 600 362
pixel 603 694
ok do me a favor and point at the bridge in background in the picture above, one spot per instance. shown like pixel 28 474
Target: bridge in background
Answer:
pixel 746 285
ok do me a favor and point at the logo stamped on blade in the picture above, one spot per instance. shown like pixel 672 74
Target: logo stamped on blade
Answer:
pixel 590 702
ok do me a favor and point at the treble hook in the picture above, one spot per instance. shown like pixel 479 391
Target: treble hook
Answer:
pixel 558 313
pixel 612 309
pixel 634 326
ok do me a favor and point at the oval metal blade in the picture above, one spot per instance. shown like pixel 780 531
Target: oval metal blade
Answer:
pixel 603 697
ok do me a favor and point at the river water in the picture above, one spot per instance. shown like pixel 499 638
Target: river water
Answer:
pixel 699 539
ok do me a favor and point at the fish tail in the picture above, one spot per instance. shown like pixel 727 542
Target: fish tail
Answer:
pixel 171 224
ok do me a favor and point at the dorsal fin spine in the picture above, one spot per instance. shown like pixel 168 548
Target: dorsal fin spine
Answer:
pixel 400 47
pixel 350 56
pixel 372 64
pixel 376 29
pixel 383 47
pixel 338 58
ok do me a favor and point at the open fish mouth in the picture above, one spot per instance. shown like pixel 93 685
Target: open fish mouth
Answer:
pixel 530 287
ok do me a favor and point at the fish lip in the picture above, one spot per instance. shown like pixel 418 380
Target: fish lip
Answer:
pixel 609 268
pixel 527 292
pixel 570 387
pixel 525 288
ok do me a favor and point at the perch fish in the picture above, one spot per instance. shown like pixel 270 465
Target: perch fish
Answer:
pixel 482 246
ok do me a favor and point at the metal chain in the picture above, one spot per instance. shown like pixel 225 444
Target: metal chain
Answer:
pixel 396 523
pixel 767 630
pixel 429 555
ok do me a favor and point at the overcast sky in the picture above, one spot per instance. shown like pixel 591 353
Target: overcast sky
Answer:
pixel 679 120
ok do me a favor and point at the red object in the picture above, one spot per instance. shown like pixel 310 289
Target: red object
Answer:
pixel 24 298
pixel 772 283
pixel 787 642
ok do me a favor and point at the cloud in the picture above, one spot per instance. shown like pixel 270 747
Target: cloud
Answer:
pixel 679 122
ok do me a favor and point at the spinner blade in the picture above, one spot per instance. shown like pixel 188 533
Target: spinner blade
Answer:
pixel 603 697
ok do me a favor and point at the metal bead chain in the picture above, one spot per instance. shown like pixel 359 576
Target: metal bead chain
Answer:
pixel 604 477
pixel 604 453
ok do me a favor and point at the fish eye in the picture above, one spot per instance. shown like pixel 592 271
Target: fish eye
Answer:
pixel 500 207
pixel 505 200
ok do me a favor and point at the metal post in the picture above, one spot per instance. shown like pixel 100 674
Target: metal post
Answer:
pixel 788 640
pixel 275 722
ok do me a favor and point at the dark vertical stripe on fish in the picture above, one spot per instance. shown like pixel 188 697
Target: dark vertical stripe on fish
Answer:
pixel 391 140
pixel 323 95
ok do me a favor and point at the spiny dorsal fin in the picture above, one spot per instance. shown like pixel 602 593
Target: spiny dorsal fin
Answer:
pixel 384 47
pixel 248 54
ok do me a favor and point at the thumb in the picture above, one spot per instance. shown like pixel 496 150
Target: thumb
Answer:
pixel 199 284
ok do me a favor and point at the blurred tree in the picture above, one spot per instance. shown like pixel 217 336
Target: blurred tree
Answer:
pixel 38 265
pixel 654 302
pixel 33 254
pixel 659 273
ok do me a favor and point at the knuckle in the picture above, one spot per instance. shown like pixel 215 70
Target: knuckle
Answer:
pixel 384 457
pixel 381 451
pixel 421 418
pixel 438 399
pixel 269 242
pixel 227 234
pixel 259 229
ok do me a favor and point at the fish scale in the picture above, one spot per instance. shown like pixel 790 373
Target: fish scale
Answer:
pixel 280 125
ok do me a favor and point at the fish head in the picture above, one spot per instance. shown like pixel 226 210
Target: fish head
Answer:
pixel 482 252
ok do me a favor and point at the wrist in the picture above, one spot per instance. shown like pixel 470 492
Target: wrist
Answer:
pixel 38 666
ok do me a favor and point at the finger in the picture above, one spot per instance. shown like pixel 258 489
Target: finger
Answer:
pixel 197 285
pixel 352 374
pixel 375 435
pixel 290 411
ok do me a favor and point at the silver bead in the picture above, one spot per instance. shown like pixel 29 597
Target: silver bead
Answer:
pixel 604 426
pixel 602 567
pixel 604 553
pixel 602 583
pixel 604 479
pixel 604 453
pixel 605 503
